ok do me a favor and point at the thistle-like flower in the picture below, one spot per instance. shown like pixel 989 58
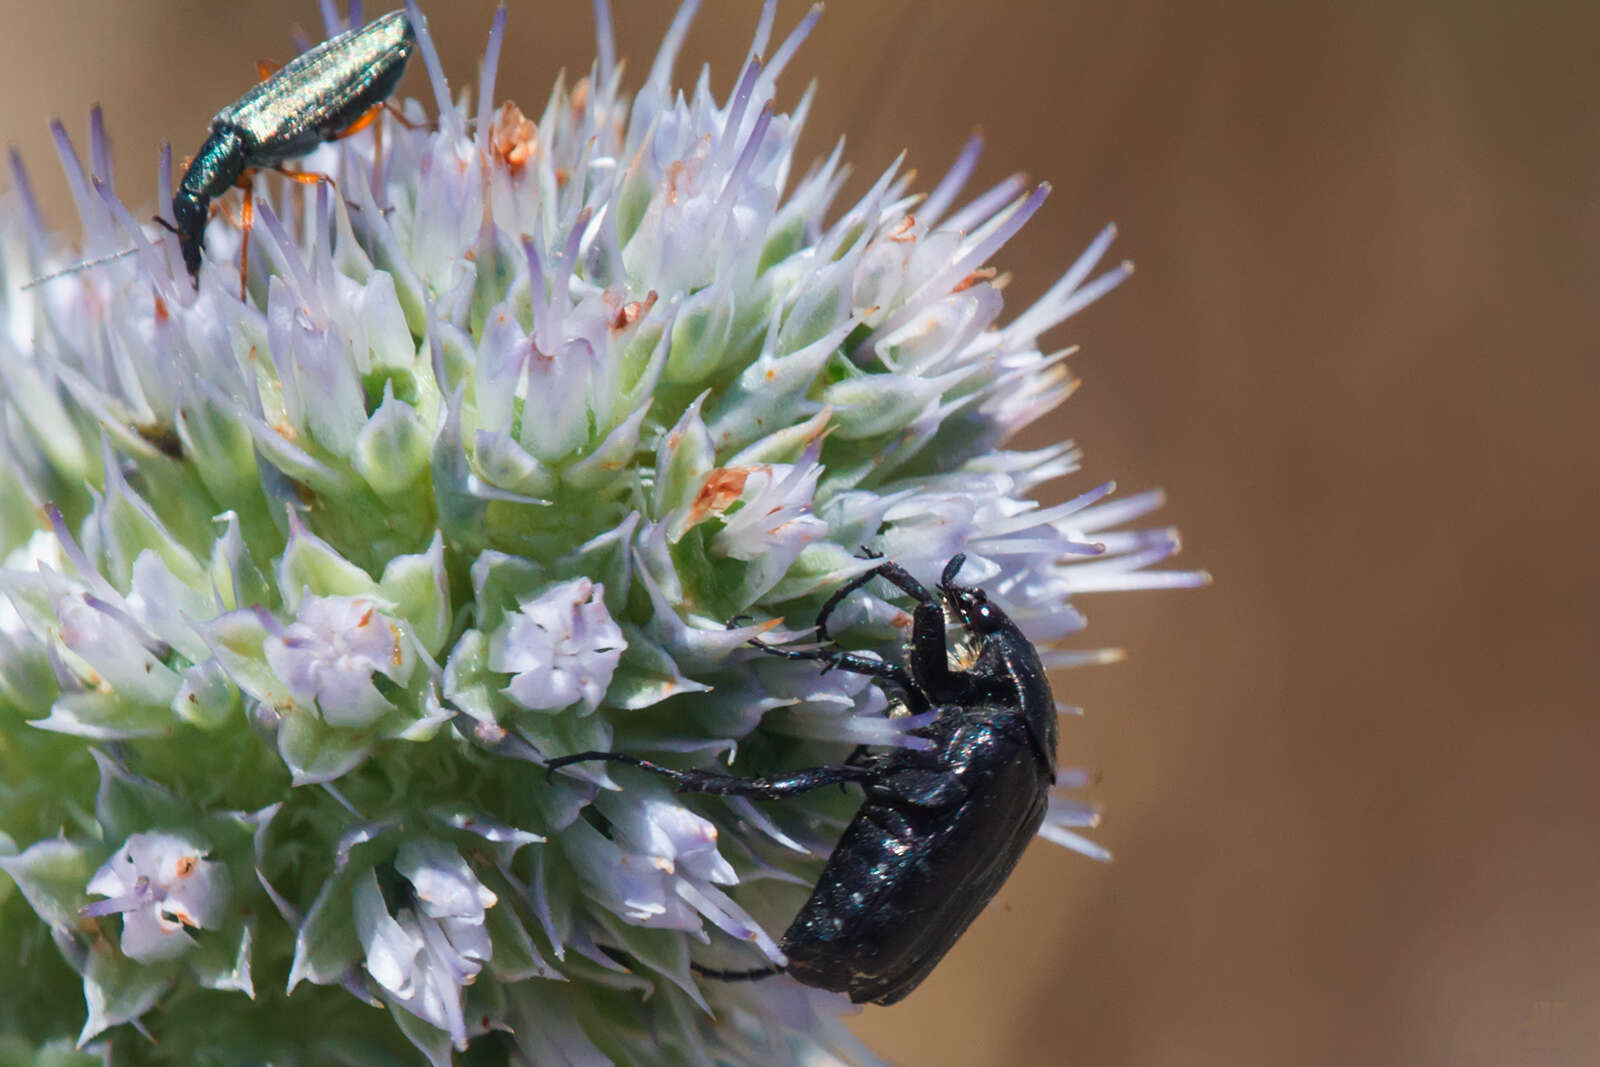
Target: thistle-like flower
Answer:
pixel 300 591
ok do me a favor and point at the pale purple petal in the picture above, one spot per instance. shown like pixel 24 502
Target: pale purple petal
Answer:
pixel 561 649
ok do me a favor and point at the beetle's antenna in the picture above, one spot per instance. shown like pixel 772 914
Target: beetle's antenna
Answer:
pixel 77 267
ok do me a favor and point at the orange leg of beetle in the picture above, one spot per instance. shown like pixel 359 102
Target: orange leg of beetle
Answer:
pixel 305 177
pixel 359 124
pixel 244 223
pixel 247 220
pixel 399 116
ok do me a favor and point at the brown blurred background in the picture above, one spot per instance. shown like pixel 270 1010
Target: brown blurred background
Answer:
pixel 1349 786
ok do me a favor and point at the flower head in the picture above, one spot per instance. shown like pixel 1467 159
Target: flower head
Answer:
pixel 523 430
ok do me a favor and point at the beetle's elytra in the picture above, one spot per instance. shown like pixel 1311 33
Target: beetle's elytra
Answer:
pixel 939 830
pixel 321 95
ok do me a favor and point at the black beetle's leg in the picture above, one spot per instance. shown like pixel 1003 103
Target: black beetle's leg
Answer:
pixel 930 657
pixel 626 960
pixel 735 976
pixel 860 756
pixel 850 662
pixel 889 572
pixel 836 660
pixel 714 783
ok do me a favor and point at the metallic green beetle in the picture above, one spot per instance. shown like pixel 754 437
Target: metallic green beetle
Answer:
pixel 322 95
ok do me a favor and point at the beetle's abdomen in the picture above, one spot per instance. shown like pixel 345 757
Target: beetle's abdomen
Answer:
pixel 920 860
pixel 321 93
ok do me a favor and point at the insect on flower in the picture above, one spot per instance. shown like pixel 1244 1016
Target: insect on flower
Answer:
pixel 941 829
pixel 475 483
pixel 330 92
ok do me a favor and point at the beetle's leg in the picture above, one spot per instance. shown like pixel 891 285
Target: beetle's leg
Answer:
pixel 892 572
pixel 714 783
pixel 857 756
pixel 359 124
pixel 735 976
pixel 626 959
pixel 835 659
pixel 930 657
pixel 247 221
pixel 400 117
pixel 838 660
pixel 370 117
pixel 309 177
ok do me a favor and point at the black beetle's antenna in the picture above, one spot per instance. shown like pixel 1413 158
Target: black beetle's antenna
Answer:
pixel 77 267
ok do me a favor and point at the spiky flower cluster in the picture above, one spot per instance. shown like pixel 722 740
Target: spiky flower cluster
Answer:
pixel 300 591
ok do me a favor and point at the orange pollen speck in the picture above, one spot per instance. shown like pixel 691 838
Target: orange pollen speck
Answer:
pixel 981 275
pixel 902 233
pixel 513 137
pixel 631 312
pixel 187 865
pixel 721 488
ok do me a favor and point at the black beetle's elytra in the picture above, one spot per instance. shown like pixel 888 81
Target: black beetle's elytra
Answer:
pixel 939 830
pixel 321 95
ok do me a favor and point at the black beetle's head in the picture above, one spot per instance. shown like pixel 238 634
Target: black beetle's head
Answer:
pixel 978 615
pixel 190 214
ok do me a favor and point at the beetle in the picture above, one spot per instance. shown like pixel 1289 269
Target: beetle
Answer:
pixel 939 830
pixel 329 92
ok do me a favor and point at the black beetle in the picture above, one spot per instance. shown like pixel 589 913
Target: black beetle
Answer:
pixel 939 830
pixel 324 94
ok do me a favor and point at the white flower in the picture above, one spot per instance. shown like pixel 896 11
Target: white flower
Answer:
pixel 773 521
pixel 163 886
pixel 431 944
pixel 561 649
pixel 328 655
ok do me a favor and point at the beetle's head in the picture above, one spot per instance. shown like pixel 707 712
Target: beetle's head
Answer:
pixel 977 613
pixel 191 214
